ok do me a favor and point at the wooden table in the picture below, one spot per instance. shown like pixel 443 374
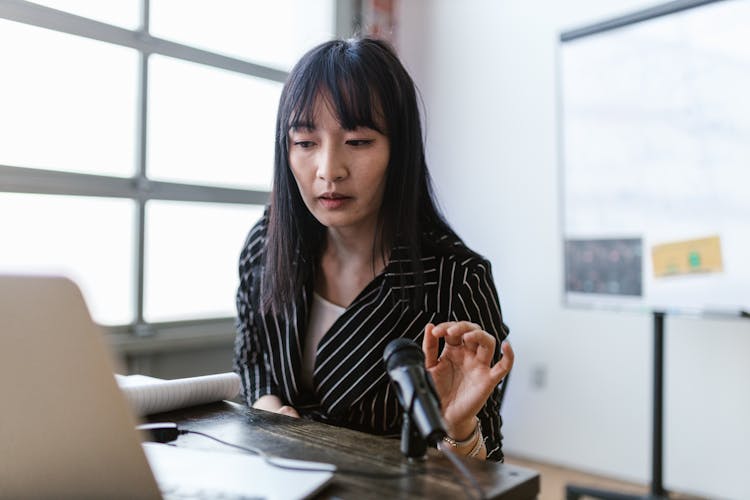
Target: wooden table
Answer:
pixel 287 437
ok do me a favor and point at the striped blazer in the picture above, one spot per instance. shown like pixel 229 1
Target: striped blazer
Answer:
pixel 351 386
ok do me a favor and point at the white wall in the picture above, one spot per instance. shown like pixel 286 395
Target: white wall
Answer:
pixel 486 70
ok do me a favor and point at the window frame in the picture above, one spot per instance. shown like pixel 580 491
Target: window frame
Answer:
pixel 140 335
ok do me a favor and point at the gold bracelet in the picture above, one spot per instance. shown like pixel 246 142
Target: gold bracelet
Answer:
pixel 480 441
pixel 477 431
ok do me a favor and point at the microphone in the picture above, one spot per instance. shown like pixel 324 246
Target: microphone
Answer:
pixel 404 361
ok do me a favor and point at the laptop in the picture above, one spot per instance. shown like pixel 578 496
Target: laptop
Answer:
pixel 66 430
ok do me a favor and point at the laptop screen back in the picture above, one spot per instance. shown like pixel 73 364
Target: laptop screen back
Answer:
pixel 65 429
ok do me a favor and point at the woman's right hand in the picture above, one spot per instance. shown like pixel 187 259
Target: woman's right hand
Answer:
pixel 272 403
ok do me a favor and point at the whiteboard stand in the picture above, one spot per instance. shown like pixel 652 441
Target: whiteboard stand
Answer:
pixel 657 492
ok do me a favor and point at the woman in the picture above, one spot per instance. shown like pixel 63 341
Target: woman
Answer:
pixel 353 253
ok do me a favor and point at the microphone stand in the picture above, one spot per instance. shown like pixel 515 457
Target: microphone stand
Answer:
pixel 413 445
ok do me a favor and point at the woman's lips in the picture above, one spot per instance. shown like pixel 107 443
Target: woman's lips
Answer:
pixel 334 201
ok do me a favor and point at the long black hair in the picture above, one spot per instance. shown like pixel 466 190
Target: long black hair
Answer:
pixel 365 85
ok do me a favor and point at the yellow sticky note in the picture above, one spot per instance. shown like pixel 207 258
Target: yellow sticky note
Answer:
pixel 687 257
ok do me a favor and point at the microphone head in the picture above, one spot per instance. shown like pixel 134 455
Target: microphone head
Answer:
pixel 401 352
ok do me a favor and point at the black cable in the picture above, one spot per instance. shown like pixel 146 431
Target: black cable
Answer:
pixel 270 461
pixel 464 472
pixel 446 449
pixel 165 432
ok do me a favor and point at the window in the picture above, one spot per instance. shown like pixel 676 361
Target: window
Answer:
pixel 269 33
pixel 192 250
pixel 137 145
pixel 89 239
pixel 68 103
pixel 225 131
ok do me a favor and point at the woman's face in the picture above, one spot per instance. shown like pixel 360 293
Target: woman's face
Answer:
pixel 340 173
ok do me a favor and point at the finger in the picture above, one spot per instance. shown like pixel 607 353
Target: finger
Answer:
pixel 503 367
pixel 440 329
pixel 288 411
pixel 456 332
pixel 452 331
pixel 482 344
pixel 430 346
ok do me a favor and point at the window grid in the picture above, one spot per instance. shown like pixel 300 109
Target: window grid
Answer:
pixel 139 187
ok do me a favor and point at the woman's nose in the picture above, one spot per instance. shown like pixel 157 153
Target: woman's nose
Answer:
pixel 331 165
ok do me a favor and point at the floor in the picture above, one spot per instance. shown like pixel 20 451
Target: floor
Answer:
pixel 554 478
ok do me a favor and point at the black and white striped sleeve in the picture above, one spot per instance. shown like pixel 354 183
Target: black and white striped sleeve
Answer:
pixel 250 361
pixel 476 301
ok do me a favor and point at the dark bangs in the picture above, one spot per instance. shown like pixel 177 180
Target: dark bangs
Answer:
pixel 339 75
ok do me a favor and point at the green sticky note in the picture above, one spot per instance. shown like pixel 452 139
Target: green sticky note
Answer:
pixel 694 258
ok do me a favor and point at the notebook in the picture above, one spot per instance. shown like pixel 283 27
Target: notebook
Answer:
pixel 66 431
pixel 149 395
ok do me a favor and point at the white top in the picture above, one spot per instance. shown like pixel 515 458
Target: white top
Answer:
pixel 323 315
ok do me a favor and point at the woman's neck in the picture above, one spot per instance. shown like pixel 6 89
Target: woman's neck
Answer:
pixel 350 246
pixel 349 262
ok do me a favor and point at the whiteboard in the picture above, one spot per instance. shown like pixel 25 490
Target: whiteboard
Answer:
pixel 655 150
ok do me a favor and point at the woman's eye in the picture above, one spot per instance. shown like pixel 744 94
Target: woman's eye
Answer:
pixel 359 142
pixel 303 144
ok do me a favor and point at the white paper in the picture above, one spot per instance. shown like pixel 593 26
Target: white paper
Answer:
pixel 149 395
pixel 189 473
